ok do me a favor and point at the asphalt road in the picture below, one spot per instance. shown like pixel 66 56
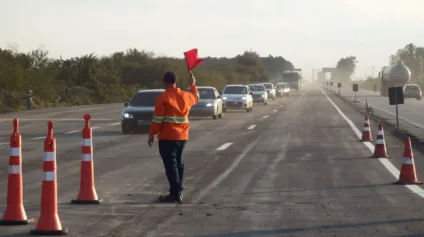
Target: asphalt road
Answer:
pixel 292 168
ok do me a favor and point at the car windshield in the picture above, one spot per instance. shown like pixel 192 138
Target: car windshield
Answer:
pixel 280 86
pixel 411 88
pixel 144 99
pixel 268 86
pixel 206 93
pixel 235 90
pixel 257 88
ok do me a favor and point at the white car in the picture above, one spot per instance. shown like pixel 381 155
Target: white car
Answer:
pixel 272 92
pixel 237 97
pixel 286 88
pixel 259 93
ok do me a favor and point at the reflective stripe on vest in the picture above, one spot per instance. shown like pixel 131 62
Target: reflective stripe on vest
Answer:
pixel 175 119
pixel 168 119
pixel 157 119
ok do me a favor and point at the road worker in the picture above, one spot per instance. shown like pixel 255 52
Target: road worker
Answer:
pixel 170 124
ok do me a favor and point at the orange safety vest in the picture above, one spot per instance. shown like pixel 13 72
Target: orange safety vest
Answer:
pixel 170 118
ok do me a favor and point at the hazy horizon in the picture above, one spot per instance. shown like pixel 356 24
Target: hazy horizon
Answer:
pixel 309 34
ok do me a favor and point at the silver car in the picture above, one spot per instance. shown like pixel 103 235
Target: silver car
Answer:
pixel 412 91
pixel 210 103
pixel 259 93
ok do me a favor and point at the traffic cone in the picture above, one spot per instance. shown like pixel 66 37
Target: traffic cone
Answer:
pixel 87 192
pixel 15 212
pixel 408 175
pixel 380 144
pixel 366 131
pixel 49 222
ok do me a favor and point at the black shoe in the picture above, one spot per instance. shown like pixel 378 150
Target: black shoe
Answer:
pixel 179 199
pixel 170 198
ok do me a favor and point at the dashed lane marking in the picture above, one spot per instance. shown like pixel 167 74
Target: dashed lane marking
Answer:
pixel 389 166
pixel 225 146
pixel 114 124
pixel 71 132
pixel 251 127
pixel 275 110
pixel 38 138
pixel 223 175
pixel 266 116
pixel 4 143
pixel 281 106
pixel 95 127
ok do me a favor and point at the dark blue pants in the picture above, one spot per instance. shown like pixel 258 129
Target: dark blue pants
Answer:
pixel 172 157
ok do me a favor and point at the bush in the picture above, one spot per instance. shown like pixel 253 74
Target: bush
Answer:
pixel 91 79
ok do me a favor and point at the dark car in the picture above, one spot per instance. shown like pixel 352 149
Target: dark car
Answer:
pixel 138 114
pixel 210 103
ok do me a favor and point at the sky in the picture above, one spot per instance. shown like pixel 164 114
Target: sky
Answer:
pixel 310 33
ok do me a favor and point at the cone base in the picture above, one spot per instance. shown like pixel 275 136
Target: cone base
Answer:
pixel 374 156
pixel 49 232
pixel 408 182
pixel 86 201
pixel 12 222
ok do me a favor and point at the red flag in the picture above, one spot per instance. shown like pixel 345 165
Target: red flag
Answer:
pixel 192 59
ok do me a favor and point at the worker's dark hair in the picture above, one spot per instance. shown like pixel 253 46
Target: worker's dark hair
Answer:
pixel 170 77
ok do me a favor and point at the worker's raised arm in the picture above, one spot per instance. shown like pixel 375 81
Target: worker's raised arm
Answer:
pixel 158 115
pixel 194 93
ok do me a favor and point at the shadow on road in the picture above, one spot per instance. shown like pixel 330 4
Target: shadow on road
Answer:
pixel 261 233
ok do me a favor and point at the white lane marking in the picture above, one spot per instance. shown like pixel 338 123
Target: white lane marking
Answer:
pixel 95 127
pixel 71 132
pixel 225 146
pixel 281 106
pixel 38 138
pixel 251 127
pixel 389 166
pixel 4 143
pixel 275 110
pixel 223 175
pixel 114 124
pixel 266 116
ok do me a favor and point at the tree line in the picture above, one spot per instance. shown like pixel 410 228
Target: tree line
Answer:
pixel 92 79
pixel 411 55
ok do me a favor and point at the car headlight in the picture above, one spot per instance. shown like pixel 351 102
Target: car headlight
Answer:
pixel 208 104
pixel 263 95
pixel 224 98
pixel 127 115
pixel 243 98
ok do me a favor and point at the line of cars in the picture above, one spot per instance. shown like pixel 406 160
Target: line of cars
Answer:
pixel 138 112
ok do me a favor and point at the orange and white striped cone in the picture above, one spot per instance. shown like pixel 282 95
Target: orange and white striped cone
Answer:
pixel 366 131
pixel 49 222
pixel 380 145
pixel 408 174
pixel 87 193
pixel 15 212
